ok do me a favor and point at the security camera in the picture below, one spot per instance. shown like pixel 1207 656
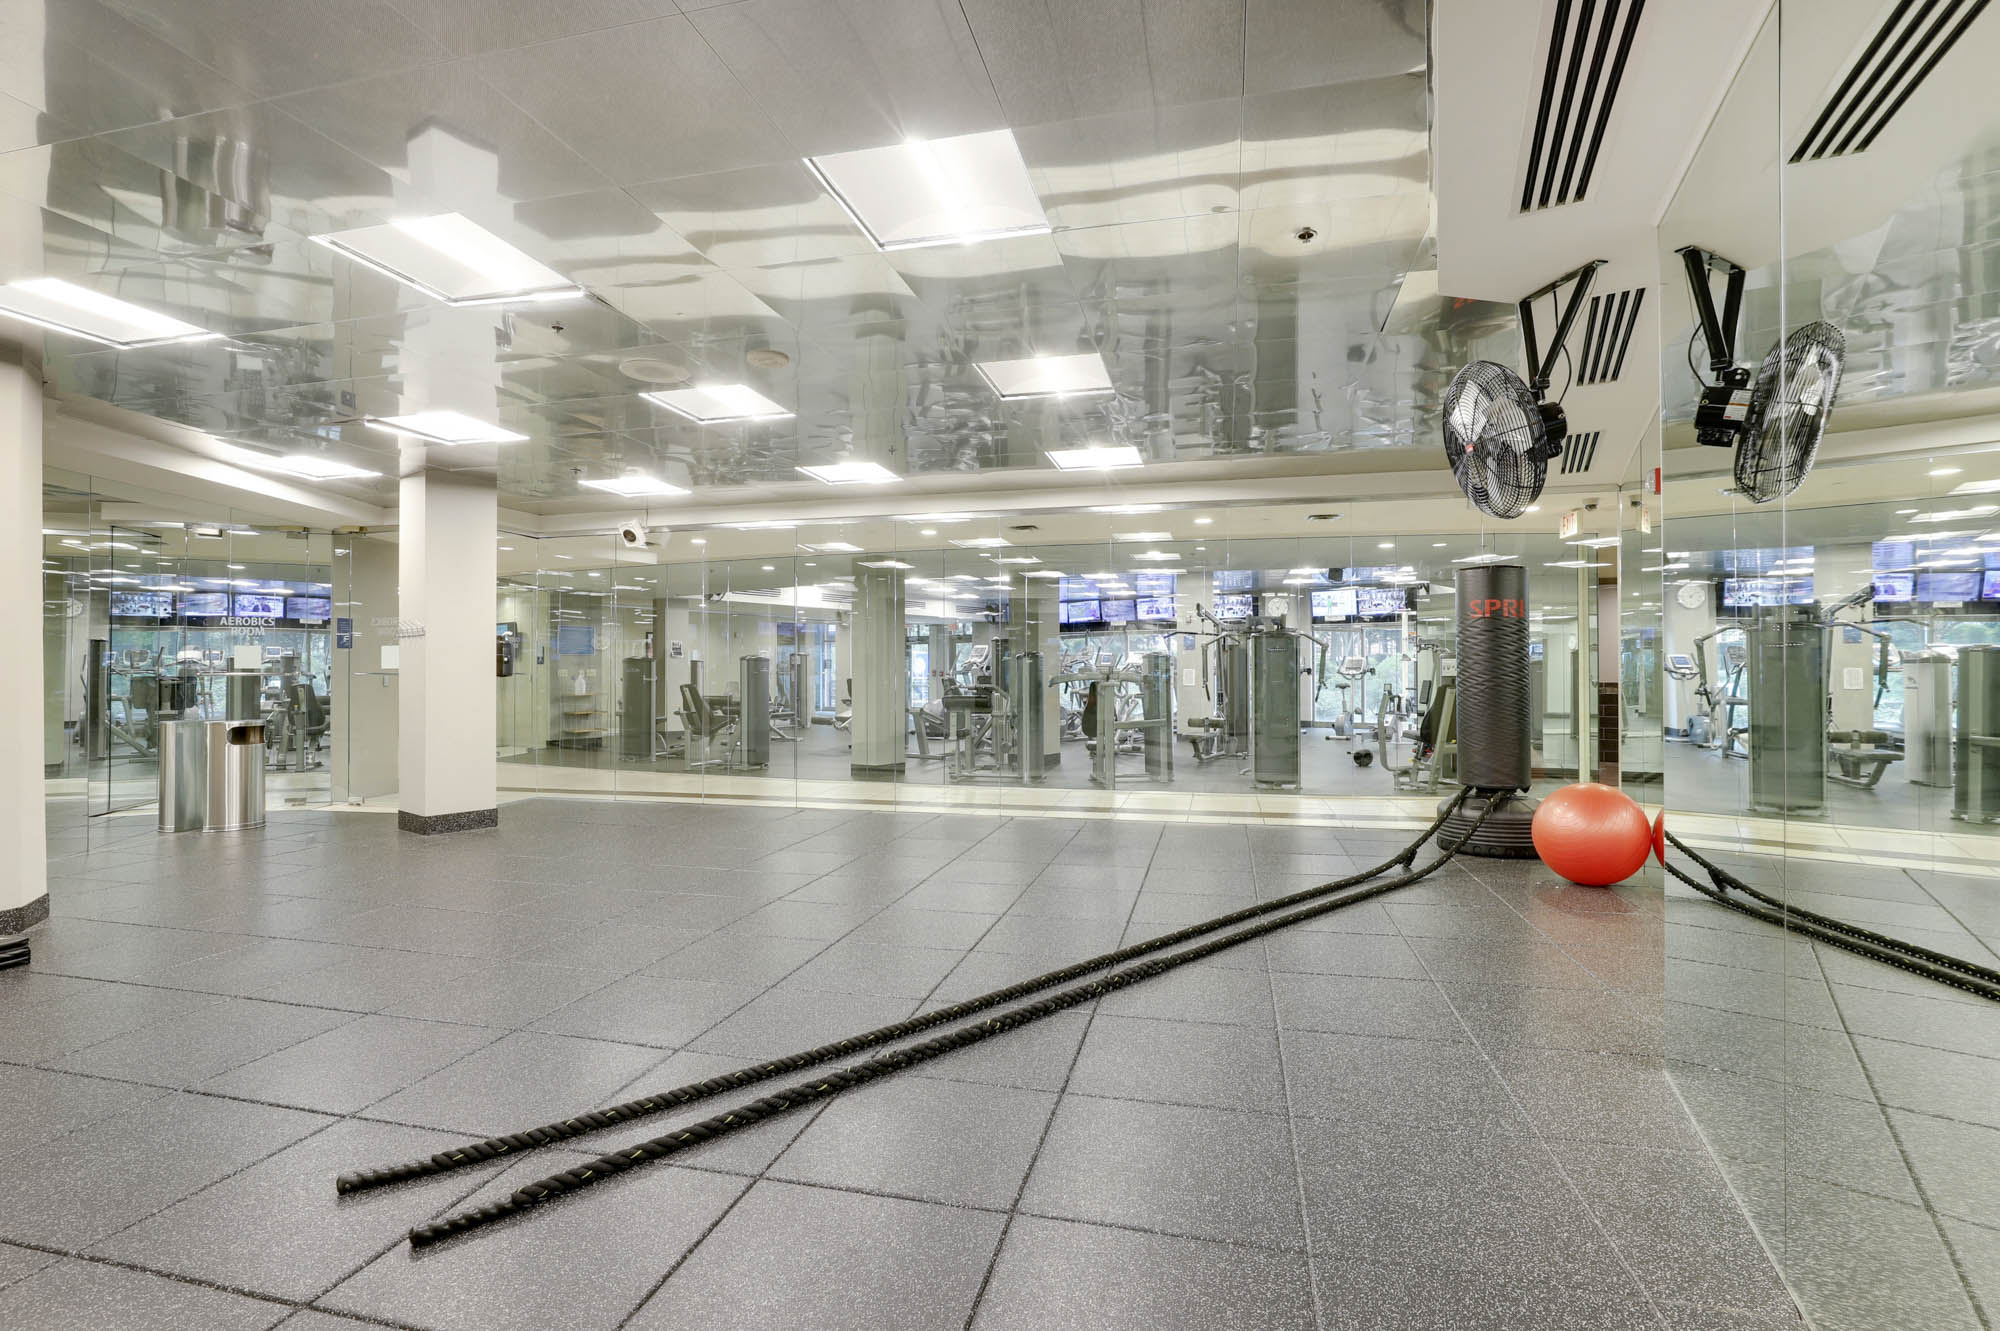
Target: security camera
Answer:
pixel 632 535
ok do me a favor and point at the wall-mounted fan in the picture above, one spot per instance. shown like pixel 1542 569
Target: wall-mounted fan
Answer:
pixel 1775 419
pixel 1500 431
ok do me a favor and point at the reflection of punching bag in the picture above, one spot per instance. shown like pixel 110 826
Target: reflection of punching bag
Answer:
pixel 1493 751
pixel 1494 757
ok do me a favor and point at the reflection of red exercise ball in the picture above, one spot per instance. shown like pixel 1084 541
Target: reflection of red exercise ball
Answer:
pixel 1592 834
pixel 1660 836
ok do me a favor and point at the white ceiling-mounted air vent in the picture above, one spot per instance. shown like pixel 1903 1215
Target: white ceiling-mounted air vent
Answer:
pixel 1607 333
pixel 1589 44
pixel 1899 56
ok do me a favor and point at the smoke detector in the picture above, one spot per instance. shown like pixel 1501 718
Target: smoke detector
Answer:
pixel 648 370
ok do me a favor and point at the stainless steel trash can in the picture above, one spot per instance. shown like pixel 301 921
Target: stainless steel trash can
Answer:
pixel 183 775
pixel 235 776
pixel 211 775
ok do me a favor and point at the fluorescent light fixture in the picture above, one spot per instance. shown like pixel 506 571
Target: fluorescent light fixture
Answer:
pixel 1967 488
pixel 635 485
pixel 1158 554
pixel 1130 509
pixel 1595 542
pixel 1307 572
pixel 1300 582
pixel 314 467
pixel 447 427
pixel 1045 573
pixel 982 542
pixel 852 473
pixel 1042 376
pixel 711 404
pixel 1142 536
pixel 939 519
pixel 451 258
pixel 1203 522
pixel 1016 559
pixel 1098 457
pixel 884 563
pixel 1945 471
pixel 1958 514
pixel 760 526
pixel 64 307
pixel 834 548
pixel 953 191
pixel 1570 563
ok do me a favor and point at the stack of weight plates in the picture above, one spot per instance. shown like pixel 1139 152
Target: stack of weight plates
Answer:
pixel 13 950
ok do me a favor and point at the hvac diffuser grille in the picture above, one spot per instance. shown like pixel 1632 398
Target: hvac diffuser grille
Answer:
pixel 1898 58
pixel 1579 451
pixel 1607 333
pixel 1588 46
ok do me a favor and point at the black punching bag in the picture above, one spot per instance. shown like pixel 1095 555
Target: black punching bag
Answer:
pixel 1494 754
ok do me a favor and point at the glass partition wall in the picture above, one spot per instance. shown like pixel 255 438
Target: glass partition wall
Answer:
pixel 1825 698
pixel 950 658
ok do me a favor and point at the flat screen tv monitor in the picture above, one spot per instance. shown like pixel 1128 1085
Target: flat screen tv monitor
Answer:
pixel 1075 589
pixel 576 640
pixel 1237 605
pixel 1948 586
pixel 1080 612
pixel 143 605
pixel 1119 612
pixel 1748 593
pixel 205 603
pixel 1235 580
pixel 309 609
pixel 1154 584
pixel 1380 600
pixel 1893 555
pixel 1989 585
pixel 263 605
pixel 1336 603
pixel 1895 586
pixel 1156 607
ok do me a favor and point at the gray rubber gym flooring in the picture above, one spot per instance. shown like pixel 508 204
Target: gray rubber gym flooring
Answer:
pixel 1444 1109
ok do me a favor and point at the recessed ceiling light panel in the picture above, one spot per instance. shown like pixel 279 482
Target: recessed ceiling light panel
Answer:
pixel 447 427
pixel 955 191
pixel 634 485
pixel 64 307
pixel 451 258
pixel 1100 458
pixel 1043 376
pixel 710 404
pixel 316 468
pixel 852 473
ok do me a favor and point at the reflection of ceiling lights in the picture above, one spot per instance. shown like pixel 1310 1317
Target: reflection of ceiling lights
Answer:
pixel 939 519
pixel 634 485
pixel 952 191
pixel 1097 458
pixel 1016 559
pixel 447 427
pixel 1157 554
pixel 760 526
pixel 316 468
pixel 1040 376
pixel 1957 514
pixel 50 302
pixel 885 563
pixel 1129 509
pixel 1945 471
pixel 1595 542
pixel 451 258
pixel 835 548
pixel 1142 536
pixel 711 404
pixel 982 542
pixel 852 473
pixel 1045 573
pixel 1570 563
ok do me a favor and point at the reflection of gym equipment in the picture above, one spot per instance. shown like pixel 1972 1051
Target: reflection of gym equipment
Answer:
pixel 1139 717
pixel 1680 668
pixel 1976 793
pixel 992 729
pixel 1722 696
pixel 1434 749
pixel 1225 677
pixel 1352 674
pixel 1859 757
pixel 1785 670
pixel 1927 716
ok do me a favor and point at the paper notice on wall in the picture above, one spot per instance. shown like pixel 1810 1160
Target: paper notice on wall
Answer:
pixel 390 653
pixel 248 656
pixel 1850 678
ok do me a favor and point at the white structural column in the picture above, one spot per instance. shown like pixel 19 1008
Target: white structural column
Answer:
pixel 447 719
pixel 1032 621
pixel 880 665
pixel 24 889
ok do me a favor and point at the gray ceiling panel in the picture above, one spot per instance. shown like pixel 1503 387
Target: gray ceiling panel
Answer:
pixel 473 27
pixel 1305 43
pixel 273 49
pixel 1055 60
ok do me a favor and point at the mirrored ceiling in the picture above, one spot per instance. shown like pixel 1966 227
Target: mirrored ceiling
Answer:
pixel 1215 201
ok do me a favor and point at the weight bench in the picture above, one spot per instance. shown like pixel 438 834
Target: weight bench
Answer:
pixel 1860 757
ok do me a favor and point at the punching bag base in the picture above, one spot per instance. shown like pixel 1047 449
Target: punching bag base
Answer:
pixel 1508 833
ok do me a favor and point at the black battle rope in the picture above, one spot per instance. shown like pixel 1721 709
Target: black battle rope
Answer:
pixel 895 1060
pixel 660 1102
pixel 1942 967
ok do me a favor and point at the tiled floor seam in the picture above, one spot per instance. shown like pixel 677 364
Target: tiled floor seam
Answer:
pixel 1486 1055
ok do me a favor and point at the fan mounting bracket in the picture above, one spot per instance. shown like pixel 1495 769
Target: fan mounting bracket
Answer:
pixel 1542 368
pixel 1717 329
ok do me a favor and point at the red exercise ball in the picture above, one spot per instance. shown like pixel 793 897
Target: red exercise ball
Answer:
pixel 1592 834
pixel 1660 836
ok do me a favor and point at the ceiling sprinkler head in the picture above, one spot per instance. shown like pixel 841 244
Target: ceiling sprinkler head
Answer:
pixel 1305 235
